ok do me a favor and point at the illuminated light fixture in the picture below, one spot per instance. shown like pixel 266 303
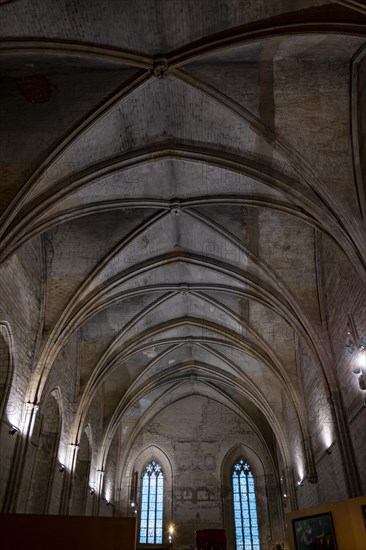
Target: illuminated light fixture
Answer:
pixel 62 468
pixel 13 430
pixel 328 450
pixel 91 490
pixel 300 483
pixel 362 377
pixel 349 343
pixel 355 343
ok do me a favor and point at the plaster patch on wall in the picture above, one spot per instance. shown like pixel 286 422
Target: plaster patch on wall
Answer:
pixel 150 352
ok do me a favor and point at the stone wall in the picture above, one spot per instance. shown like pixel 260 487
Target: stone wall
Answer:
pixel 202 439
pixel 344 295
pixel 21 290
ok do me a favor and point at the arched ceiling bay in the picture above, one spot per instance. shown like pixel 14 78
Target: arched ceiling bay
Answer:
pixel 178 25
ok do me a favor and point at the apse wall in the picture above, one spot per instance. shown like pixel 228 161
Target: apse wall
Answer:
pixel 202 439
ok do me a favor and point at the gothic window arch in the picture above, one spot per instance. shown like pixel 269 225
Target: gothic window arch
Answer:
pixel 245 507
pixel 151 516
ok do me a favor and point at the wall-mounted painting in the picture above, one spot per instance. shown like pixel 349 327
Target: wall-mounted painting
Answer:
pixel 314 532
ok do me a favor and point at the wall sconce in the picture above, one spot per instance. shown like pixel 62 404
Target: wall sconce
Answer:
pixel 170 532
pixel 300 483
pixel 349 343
pixel 91 490
pixel 62 468
pixel 13 430
pixel 328 451
pixel 355 343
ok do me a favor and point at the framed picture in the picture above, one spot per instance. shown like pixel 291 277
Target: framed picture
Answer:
pixel 314 532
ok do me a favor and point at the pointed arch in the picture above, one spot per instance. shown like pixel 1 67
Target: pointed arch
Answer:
pixel 133 476
pixel 245 506
pixel 151 504
pixel 237 520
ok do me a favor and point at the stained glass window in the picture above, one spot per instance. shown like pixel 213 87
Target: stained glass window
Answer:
pixel 151 519
pixel 245 509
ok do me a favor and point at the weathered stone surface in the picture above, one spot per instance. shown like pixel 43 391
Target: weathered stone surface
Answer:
pixel 182 254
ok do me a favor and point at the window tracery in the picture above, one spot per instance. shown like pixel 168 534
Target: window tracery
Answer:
pixel 151 518
pixel 245 507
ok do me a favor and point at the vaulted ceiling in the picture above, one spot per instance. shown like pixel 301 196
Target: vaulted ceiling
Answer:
pixel 181 161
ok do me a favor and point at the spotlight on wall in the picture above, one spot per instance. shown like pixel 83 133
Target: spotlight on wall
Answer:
pixel 353 341
pixel 300 483
pixel 13 430
pixel 62 468
pixel 356 345
pixel 91 490
pixel 362 382
pixel 329 449
pixel 349 342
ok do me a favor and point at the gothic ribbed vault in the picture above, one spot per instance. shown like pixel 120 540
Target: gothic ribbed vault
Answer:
pixel 187 174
